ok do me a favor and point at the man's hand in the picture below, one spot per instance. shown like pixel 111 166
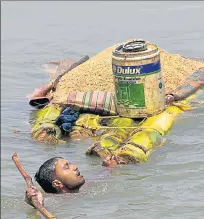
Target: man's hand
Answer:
pixel 33 192
pixel 169 99
pixel 110 161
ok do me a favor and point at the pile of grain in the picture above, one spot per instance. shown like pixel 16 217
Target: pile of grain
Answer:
pixel 96 74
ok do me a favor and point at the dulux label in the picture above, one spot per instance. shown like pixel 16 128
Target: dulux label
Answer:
pixel 137 70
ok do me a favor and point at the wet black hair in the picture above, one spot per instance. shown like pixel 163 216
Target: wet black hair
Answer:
pixel 45 173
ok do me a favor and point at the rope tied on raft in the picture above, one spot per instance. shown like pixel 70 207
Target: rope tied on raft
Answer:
pixel 138 146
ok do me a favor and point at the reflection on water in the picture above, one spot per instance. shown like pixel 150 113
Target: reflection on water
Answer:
pixel 170 184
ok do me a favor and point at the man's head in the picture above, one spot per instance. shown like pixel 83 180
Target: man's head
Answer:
pixel 57 175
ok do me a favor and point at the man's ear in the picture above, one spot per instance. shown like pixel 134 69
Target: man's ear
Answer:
pixel 57 184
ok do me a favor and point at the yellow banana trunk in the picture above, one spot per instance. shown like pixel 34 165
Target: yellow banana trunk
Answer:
pixel 44 130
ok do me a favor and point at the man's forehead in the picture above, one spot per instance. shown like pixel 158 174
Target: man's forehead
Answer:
pixel 61 162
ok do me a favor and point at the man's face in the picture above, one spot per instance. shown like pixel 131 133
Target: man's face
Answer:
pixel 68 174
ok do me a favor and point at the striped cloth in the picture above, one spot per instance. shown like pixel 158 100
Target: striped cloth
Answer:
pixel 99 102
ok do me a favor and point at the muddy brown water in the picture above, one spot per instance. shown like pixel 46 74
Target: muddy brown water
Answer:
pixel 170 184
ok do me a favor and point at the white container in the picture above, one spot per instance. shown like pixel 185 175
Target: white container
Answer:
pixel 138 80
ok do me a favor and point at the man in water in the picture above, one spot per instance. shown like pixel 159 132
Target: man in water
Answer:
pixel 56 175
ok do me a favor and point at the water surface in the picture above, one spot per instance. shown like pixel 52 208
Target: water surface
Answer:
pixel 170 184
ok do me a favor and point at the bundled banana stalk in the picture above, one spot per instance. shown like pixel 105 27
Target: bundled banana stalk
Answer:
pixel 85 126
pixel 91 125
pixel 44 128
pixel 116 133
pixel 148 136
pixel 136 146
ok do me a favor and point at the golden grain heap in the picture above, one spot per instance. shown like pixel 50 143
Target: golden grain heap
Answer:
pixel 96 74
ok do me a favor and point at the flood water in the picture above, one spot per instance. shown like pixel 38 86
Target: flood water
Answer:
pixel 170 184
